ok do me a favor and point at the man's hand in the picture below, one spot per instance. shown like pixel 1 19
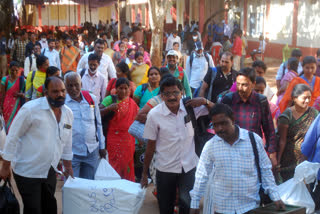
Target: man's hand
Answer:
pixel 144 180
pixel 196 102
pixel 274 161
pixel 67 168
pixel 5 171
pixel 103 153
pixel 113 107
pixel 280 205
pixel 194 211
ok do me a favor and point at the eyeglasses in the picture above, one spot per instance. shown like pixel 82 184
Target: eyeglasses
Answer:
pixel 169 94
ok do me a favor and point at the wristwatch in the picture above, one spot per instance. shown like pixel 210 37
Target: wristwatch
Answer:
pixel 207 102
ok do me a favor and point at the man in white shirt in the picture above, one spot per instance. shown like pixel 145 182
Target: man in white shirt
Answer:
pixel 43 41
pixel 30 64
pixel 106 67
pixel 197 66
pixel 170 133
pixel 126 29
pixel 172 39
pixel 52 54
pixel 92 80
pixel 40 135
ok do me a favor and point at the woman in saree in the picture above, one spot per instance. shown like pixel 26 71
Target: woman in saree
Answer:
pixel 148 90
pixel 120 55
pixel 307 77
pixel 139 70
pixel 12 94
pixel 120 144
pixel 293 125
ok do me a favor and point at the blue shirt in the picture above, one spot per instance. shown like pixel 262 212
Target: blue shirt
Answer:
pixel 234 184
pixel 83 127
pixel 311 146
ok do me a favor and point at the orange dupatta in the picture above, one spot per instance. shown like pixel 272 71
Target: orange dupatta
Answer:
pixel 287 96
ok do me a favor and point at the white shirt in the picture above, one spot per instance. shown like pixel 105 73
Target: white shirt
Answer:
pixel 36 141
pixel 96 84
pixel 268 93
pixel 106 66
pixel 172 40
pixel 126 29
pixel 199 69
pixel 53 56
pixel 27 65
pixel 174 139
pixel 44 44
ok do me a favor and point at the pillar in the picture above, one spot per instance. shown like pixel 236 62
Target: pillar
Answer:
pixel 147 15
pixel 295 23
pixel 201 15
pixel 39 14
pixel 79 16
pixel 245 16
pixel 133 14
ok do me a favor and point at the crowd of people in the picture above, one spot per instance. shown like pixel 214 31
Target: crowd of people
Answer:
pixel 70 98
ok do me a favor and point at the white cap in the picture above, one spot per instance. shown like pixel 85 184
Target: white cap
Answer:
pixel 172 53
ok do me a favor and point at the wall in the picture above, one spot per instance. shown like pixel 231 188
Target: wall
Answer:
pixel 49 14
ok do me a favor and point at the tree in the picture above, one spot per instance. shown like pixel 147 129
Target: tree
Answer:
pixel 6 12
pixel 157 12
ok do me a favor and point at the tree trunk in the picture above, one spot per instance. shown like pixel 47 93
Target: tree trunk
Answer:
pixel 6 11
pixel 157 13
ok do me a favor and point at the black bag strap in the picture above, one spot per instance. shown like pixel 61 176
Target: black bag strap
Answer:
pixel 30 59
pixel 190 112
pixel 82 72
pixel 264 105
pixel 256 154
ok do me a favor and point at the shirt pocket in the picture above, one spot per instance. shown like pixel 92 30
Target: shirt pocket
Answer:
pixel 247 161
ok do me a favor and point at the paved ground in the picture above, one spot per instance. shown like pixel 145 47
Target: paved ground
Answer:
pixel 150 204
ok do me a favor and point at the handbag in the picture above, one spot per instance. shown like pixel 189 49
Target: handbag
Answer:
pixel 8 201
pixel 136 130
pixel 264 198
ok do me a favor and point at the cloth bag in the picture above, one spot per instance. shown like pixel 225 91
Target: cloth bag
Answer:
pixel 136 130
pixel 105 171
pixel 8 201
pixel 83 196
pixel 294 190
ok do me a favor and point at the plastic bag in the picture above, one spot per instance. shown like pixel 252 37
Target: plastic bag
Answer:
pixel 83 196
pixel 105 171
pixel 295 192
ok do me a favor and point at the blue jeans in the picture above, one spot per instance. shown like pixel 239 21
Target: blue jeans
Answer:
pixel 85 166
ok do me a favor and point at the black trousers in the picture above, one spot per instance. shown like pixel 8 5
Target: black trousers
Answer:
pixel 38 193
pixel 316 195
pixel 167 184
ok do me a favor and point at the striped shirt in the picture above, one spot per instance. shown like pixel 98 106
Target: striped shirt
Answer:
pixel 235 184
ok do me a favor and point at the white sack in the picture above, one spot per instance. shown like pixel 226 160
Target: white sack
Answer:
pixel 82 196
pixel 105 171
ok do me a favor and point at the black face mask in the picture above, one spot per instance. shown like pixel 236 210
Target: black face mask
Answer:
pixel 56 102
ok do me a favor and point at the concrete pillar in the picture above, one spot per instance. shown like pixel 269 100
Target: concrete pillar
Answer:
pixel 295 23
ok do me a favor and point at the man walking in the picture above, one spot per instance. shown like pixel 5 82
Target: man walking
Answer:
pixel 30 63
pixel 40 135
pixel 106 66
pixel 70 56
pixel 170 133
pixel 19 49
pixel 252 111
pixel 234 185
pixel 197 66
pixel 87 137
pixel 215 83
pixel 52 54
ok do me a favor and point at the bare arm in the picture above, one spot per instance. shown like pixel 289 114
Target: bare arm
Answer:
pixel 283 131
pixel 278 84
pixel 136 99
pixel 203 89
pixel 151 147
pixel 283 88
pixel 142 114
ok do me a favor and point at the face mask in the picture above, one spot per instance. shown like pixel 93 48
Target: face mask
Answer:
pixel 141 63
pixel 195 37
pixel 93 72
pixel 56 102
pixel 122 49
pixel 131 57
pixel 199 55
pixel 43 39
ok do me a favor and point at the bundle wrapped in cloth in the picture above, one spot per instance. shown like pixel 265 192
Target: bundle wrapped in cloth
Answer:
pixel 112 196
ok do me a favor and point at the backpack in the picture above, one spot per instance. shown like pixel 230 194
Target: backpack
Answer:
pixel 89 99
pixel 264 105
pixel 208 94
pixel 200 126
pixel 192 56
